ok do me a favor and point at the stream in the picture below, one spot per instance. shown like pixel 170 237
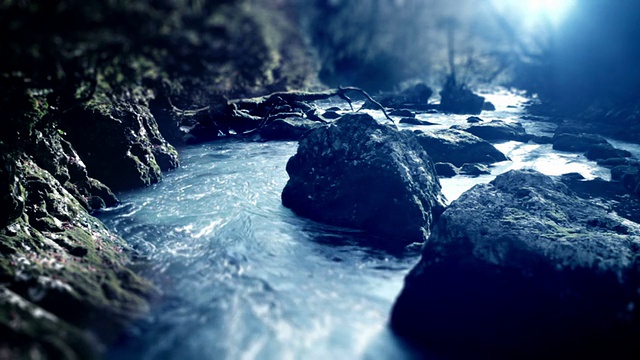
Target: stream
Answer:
pixel 243 277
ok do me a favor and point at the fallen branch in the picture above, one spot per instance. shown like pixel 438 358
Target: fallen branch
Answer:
pixel 293 96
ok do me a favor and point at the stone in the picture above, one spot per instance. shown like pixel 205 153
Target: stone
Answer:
pixel 415 121
pixel 362 174
pixel 287 129
pixel 601 152
pixel 404 113
pixel 56 258
pixel 488 106
pixel 331 115
pixel 458 99
pixel 474 120
pixel 135 153
pixel 446 170
pixel 458 147
pixel 474 169
pixel 496 130
pixel 522 267
pixel 576 142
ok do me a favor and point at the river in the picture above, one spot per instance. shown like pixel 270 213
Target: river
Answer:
pixel 243 277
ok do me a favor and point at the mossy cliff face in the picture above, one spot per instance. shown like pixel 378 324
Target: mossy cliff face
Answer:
pixel 62 270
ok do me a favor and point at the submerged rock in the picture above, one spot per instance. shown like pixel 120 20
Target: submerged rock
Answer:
pixel 496 130
pixel 458 147
pixel 523 267
pixel 362 174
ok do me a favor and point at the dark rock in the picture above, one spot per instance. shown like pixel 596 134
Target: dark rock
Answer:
pixel 571 176
pixel 458 147
pixel 55 228
pixel 474 169
pixel 522 267
pixel 577 142
pixel 488 106
pixel 134 155
pixel 417 94
pixel 287 129
pixel 331 115
pixel 333 108
pixel 12 193
pixel 474 120
pixel 607 151
pixel 362 174
pixel 496 130
pixel 541 139
pixel 96 203
pixel 416 121
pixel 199 134
pixel 446 170
pixel 402 113
pixel 611 162
pixel 457 99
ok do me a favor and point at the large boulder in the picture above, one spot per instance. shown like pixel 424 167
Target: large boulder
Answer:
pixel 458 147
pixel 522 267
pixel 496 130
pixel 362 174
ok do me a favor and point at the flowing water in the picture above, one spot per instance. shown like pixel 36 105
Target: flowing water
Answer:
pixel 243 277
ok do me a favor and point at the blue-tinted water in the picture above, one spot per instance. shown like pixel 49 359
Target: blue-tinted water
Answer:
pixel 245 278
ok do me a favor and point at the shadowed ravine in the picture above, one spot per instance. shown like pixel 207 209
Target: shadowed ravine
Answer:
pixel 243 277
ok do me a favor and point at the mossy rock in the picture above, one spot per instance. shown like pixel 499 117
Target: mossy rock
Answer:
pixel 61 259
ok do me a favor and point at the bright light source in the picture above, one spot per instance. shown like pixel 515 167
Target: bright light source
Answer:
pixel 535 11
pixel 554 10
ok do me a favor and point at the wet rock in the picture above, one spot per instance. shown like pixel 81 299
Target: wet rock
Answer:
pixel 12 193
pixel 496 130
pixel 541 139
pixel 488 106
pixel 361 174
pixel 416 121
pixel 474 169
pixel 135 153
pixel 458 147
pixel 474 120
pixel 577 142
pixel 446 170
pixel 330 115
pixel 607 151
pixel 629 176
pixel 55 257
pixel 522 267
pixel 458 99
pixel 287 129
pixel 402 113
pixel 59 158
pixel 31 332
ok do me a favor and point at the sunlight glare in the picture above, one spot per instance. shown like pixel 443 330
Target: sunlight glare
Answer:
pixel 534 11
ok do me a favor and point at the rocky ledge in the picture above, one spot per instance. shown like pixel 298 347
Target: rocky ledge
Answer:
pixel 522 267
pixel 361 174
